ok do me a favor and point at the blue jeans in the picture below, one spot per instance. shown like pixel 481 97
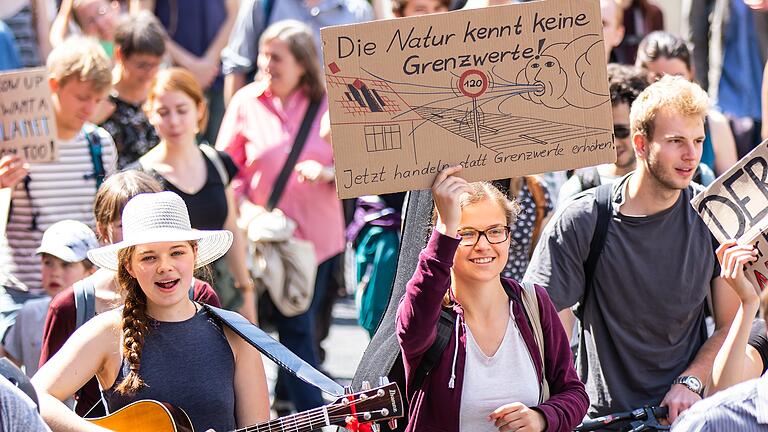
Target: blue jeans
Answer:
pixel 298 335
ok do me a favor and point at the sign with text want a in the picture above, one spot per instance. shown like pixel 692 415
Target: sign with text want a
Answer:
pixel 735 206
pixel 28 125
pixel 504 91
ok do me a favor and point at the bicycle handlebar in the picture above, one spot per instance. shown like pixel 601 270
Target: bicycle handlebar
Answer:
pixel 637 414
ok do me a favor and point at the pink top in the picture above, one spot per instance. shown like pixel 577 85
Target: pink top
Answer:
pixel 257 132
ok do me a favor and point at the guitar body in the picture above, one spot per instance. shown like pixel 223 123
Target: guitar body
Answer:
pixel 146 416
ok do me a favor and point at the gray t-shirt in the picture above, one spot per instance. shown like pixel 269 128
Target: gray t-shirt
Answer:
pixel 17 411
pixel 644 318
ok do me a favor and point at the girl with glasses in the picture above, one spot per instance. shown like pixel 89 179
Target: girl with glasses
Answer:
pixel 491 375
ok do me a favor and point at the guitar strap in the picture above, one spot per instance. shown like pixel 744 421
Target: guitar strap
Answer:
pixel 276 351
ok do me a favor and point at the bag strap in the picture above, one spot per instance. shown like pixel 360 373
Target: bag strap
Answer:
pixel 94 148
pixel 215 159
pixel 85 301
pixel 298 145
pixel 604 212
pixel 430 358
pixel 275 351
pixel 530 302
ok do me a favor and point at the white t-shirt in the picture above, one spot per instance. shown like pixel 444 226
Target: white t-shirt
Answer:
pixel 491 382
pixel 56 191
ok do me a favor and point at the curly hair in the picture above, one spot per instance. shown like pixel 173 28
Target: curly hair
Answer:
pixel 135 323
pixel 625 83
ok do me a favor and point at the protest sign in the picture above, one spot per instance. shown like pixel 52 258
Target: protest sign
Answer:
pixel 735 206
pixel 504 91
pixel 28 126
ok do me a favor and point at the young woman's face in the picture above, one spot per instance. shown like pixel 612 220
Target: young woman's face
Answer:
pixel 482 261
pixel 279 68
pixel 164 270
pixel 175 116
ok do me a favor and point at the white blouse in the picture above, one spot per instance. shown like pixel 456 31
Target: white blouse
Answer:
pixel 507 376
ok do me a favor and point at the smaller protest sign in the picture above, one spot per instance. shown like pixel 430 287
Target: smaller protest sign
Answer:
pixel 28 125
pixel 735 206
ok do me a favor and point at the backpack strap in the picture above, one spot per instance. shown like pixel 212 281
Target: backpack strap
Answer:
pixel 94 148
pixel 540 199
pixel 604 212
pixel 85 301
pixel 215 159
pixel 191 292
pixel 444 329
pixel 530 302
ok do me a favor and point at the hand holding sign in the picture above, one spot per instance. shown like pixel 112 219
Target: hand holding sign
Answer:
pixel 446 192
pixel 733 258
pixel 13 169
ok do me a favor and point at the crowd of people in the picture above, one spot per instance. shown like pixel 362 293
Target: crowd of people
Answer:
pixel 568 294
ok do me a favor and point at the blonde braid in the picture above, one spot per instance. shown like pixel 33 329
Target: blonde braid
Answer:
pixel 135 324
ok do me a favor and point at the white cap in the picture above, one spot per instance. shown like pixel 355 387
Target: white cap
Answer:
pixel 68 240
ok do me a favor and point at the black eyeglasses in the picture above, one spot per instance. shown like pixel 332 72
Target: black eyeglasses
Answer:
pixel 620 131
pixel 495 235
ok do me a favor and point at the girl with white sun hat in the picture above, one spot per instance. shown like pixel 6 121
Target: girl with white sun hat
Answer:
pixel 161 345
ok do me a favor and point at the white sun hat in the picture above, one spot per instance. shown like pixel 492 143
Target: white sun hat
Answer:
pixel 161 217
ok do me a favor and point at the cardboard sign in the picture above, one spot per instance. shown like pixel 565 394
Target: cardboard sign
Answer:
pixel 28 125
pixel 505 91
pixel 735 206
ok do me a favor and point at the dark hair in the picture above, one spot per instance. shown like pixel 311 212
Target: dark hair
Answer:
pixel 625 83
pixel 140 34
pixel 661 44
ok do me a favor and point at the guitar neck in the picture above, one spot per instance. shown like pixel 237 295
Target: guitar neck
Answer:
pixel 301 422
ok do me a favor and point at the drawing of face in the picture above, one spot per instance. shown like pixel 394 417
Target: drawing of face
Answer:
pixel 547 73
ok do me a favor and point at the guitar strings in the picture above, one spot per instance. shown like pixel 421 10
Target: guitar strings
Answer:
pixel 309 416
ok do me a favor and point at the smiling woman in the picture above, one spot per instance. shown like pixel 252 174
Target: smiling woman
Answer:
pixel 147 349
pixel 459 272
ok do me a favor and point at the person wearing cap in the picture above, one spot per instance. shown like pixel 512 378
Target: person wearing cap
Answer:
pixel 161 344
pixel 64 261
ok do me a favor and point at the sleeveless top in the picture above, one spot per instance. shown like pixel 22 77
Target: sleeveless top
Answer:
pixel 190 365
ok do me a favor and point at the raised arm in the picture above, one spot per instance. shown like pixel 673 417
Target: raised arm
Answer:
pixel 733 363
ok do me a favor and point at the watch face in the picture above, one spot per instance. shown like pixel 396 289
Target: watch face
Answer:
pixel 693 383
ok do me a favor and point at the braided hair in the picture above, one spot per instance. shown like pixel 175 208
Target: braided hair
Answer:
pixel 135 323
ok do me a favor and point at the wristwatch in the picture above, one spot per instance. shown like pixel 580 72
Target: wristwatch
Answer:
pixel 694 384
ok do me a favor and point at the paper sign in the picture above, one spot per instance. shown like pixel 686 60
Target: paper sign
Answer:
pixel 735 206
pixel 28 125
pixel 505 91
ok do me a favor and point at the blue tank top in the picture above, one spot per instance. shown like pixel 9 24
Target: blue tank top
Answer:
pixel 190 365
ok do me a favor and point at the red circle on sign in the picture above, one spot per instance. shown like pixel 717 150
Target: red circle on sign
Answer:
pixel 478 86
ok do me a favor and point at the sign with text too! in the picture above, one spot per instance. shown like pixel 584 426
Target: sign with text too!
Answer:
pixel 504 91
pixel 28 125
pixel 735 206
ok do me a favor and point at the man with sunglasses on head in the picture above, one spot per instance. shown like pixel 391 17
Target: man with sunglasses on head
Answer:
pixel 640 263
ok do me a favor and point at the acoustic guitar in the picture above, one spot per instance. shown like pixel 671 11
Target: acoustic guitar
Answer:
pixel 378 404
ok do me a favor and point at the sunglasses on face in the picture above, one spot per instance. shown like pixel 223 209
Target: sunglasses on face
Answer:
pixel 620 131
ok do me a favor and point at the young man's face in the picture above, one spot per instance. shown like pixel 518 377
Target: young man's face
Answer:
pixel 97 18
pixel 625 154
pixel 613 29
pixel 58 274
pixel 74 102
pixel 673 153
pixel 422 7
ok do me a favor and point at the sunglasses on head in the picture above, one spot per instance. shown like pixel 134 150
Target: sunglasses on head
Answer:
pixel 620 131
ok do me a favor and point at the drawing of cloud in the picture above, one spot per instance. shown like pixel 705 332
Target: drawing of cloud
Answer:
pixel 564 84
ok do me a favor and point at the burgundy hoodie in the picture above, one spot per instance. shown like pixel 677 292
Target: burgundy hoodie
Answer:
pixel 436 406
